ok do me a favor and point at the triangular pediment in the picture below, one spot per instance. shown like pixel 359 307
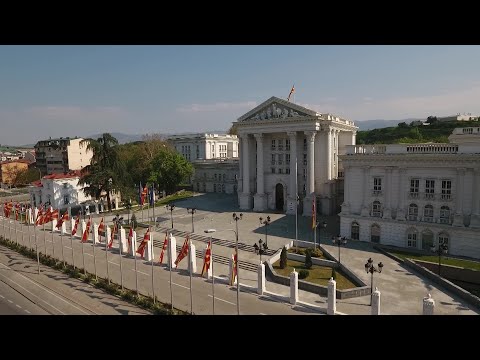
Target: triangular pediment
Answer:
pixel 276 108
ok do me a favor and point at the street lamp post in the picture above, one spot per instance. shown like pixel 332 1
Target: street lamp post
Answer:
pixel 171 207
pixel 442 249
pixel 265 222
pixel 339 241
pixel 370 268
pixel 236 218
pixel 192 211
pixel 211 231
pixel 259 249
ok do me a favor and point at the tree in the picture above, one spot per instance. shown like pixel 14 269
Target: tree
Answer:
pixel 431 119
pixel 106 172
pixel 283 258
pixel 28 176
pixel 402 125
pixel 169 169
pixel 232 130
pixel 133 221
pixel 308 259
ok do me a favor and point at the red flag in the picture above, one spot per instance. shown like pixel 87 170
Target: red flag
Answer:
pixel 206 260
pixel 74 230
pixel 234 270
pixel 39 220
pixel 62 219
pixel 47 217
pixel 164 247
pixel 101 227
pixel 113 235
pixel 183 252
pixel 141 247
pixel 314 214
pixel 144 195
pixel 291 92
pixel 87 231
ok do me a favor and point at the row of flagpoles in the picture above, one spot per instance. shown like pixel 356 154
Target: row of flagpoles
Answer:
pixel 41 216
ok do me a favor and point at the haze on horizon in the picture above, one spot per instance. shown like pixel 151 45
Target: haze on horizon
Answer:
pixel 82 90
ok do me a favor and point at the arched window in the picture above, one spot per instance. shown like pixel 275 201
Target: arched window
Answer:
pixel 445 215
pixel 443 238
pixel 412 212
pixel 412 238
pixel 428 213
pixel 377 209
pixel 355 231
pixel 375 233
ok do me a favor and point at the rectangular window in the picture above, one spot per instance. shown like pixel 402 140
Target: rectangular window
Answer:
pixel 412 240
pixel 215 177
pixel 280 159
pixel 305 159
pixel 429 189
pixel 280 144
pixel 287 171
pixel 273 159
pixel 355 232
pixel 287 144
pixel 446 189
pixel 273 145
pixel 287 159
pixel 304 173
pixel 280 171
pixel 377 184
pixel 414 188
pixel 273 170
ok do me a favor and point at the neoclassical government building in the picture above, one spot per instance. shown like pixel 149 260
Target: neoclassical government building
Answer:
pixel 276 135
pixel 415 195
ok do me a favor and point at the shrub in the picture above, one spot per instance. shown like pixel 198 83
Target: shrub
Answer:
pixel 316 253
pixel 334 274
pixel 303 274
pixel 308 259
pixel 283 258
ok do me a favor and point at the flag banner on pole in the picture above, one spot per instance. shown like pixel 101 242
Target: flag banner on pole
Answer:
pixel 206 260
pixel 112 236
pixel 39 220
pixel 314 214
pixel 164 247
pixel 101 228
pixel 234 270
pixel 143 244
pixel 183 252
pixel 47 217
pixel 54 215
pixel 63 219
pixel 151 196
pixel 291 92
pixel 87 230
pixel 144 195
pixel 74 230
pixel 129 238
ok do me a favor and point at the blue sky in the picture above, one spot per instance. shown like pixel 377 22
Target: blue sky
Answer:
pixel 83 90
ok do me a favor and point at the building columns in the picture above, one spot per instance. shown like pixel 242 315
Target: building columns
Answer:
pixel 401 194
pixel 387 214
pixel 366 193
pixel 346 191
pixel 458 217
pixel 245 198
pixel 260 203
pixel 293 186
pixel 307 204
pixel 475 218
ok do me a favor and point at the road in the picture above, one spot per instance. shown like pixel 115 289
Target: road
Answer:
pixel 14 303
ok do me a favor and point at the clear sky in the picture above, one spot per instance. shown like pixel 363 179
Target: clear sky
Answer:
pixel 83 90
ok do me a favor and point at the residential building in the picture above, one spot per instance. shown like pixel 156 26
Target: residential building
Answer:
pixel 55 156
pixel 287 149
pixel 415 195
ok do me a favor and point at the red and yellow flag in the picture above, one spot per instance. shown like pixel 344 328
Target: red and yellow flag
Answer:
pixel 87 231
pixel 112 236
pixel 291 92
pixel 234 270
pixel 183 252
pixel 144 195
pixel 101 227
pixel 74 230
pixel 164 247
pixel 206 260
pixel 39 220
pixel 63 219
pixel 143 244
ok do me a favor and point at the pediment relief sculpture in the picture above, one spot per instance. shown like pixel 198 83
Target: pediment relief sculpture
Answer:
pixel 274 112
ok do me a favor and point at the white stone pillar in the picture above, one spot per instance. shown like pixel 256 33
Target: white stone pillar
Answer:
pixel 72 225
pixel 148 254
pixel 375 308
pixel 328 152
pixel 366 192
pixel 459 185
pixel 108 233
pixel 116 202
pixel 133 244
pixel 95 233
pixel 240 166
pixel 401 195
pixel 230 270
pixel 310 183
pixel 293 287
pixel 387 190
pixel 172 250
pixel 293 186
pixel 192 258
pixel 54 225
pixel 83 228
pixel 346 190
pixel 475 218
pixel 64 228
pixel 260 202
pixel 35 215
pixel 96 208
pixel 123 241
pixel 261 279
pixel 332 297
pixel 428 305
pixel 245 199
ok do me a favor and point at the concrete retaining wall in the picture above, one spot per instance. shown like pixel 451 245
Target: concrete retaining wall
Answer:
pixel 453 272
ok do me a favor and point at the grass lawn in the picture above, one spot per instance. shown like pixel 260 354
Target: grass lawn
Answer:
pixel 301 251
pixel 467 264
pixel 318 274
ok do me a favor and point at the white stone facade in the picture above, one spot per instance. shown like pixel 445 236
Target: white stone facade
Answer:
pixel 205 146
pixel 215 175
pixel 413 195
pixel 275 136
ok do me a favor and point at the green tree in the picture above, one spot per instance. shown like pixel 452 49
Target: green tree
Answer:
pixel 283 258
pixel 169 169
pixel 106 173
pixel 402 125
pixel 232 130
pixel 308 259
